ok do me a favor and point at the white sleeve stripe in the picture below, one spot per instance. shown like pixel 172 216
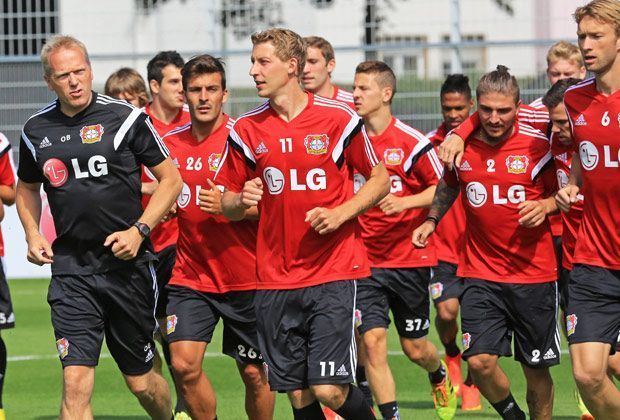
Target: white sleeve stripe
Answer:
pixel 370 151
pixel 319 100
pixel 570 119
pixel 158 140
pixel 339 147
pixel 222 160
pixel 432 157
pixel 122 131
pixel 29 145
pixel 541 164
pixel 247 152
pixel 179 129
pixel 12 162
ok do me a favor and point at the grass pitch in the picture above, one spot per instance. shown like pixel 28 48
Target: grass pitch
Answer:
pixel 33 381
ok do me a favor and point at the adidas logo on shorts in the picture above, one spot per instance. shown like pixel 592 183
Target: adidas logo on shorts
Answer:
pixel 549 355
pixel 342 371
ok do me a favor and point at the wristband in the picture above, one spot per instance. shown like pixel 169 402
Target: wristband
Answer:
pixel 433 219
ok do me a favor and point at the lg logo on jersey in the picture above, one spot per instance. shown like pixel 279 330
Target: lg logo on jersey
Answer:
pixel 57 173
pixel 275 180
pixel 589 155
pixel 477 194
pixel 396 183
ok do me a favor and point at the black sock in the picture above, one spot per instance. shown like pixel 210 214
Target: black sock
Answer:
pixel 469 381
pixel 438 376
pixel 2 367
pixel 509 409
pixel 362 384
pixel 355 407
pixel 452 349
pixel 389 411
pixel 309 412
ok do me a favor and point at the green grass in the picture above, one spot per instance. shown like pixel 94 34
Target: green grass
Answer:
pixel 33 387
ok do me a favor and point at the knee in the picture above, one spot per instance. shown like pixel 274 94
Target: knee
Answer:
pixel 76 387
pixel 375 342
pixel 415 349
pixel 482 364
pixel 252 376
pixel 185 370
pixel 588 379
pixel 330 395
pixel 139 385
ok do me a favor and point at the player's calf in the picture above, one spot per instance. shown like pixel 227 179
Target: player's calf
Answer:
pixel 78 384
pixel 345 399
pixel 540 392
pixel 259 400
pixel 151 390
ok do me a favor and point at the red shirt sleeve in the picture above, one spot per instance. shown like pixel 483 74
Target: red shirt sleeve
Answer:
pixel 427 169
pixel 235 168
pixel 468 127
pixel 7 174
pixel 360 154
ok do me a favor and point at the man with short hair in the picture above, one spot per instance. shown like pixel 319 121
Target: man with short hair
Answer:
pixel 167 111
pixel 592 106
pixel 215 272
pixel 508 259
pixel 317 75
pixel 302 150
pixel 400 273
pixel 446 287
pixel 86 150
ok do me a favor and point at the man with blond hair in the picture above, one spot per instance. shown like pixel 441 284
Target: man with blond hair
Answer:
pixel 593 107
pixel 86 150
pixel 294 158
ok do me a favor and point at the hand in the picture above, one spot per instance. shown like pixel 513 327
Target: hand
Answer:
pixel 125 243
pixel 566 197
pixel 533 213
pixel 390 204
pixel 39 250
pixel 451 150
pixel 172 213
pixel 210 200
pixel 422 233
pixel 324 220
pixel 252 193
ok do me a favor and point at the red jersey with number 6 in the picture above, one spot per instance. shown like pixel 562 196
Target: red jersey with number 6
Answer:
pixel 413 166
pixel 494 180
pixel 595 125
pixel 305 163
pixel 213 254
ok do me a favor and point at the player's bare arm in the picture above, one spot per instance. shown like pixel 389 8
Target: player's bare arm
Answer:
pixel 28 201
pixel 210 201
pixel 567 196
pixel 7 194
pixel 148 188
pixel 235 206
pixel 325 220
pixel 392 204
pixel 451 150
pixel 445 196
pixel 125 244
pixel 534 212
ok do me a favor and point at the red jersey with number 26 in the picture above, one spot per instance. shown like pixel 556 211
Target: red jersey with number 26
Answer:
pixel 305 163
pixel 213 254
pixel 494 180
pixel 413 166
pixel 595 124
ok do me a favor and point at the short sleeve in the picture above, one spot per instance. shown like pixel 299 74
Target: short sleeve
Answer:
pixel 146 145
pixel 428 169
pixel 360 154
pixel 7 174
pixel 468 127
pixel 234 167
pixel 28 171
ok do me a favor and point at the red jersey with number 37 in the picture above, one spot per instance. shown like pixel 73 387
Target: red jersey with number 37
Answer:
pixel 494 180
pixel 413 166
pixel 450 233
pixel 303 164
pixel 213 254
pixel 595 124
pixel 165 233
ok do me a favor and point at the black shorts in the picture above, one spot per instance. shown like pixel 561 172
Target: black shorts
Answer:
pixel 163 267
pixel 593 305
pixel 119 304
pixel 193 315
pixel 559 252
pixel 563 281
pixel 307 335
pixel 492 312
pixel 445 284
pixel 7 317
pixel 404 291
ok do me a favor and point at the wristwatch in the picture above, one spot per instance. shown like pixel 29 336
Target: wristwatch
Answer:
pixel 143 228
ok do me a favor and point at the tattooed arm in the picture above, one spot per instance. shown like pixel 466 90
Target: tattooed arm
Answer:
pixel 445 195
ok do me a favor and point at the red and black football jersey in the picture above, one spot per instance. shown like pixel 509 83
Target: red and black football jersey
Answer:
pixel 7 172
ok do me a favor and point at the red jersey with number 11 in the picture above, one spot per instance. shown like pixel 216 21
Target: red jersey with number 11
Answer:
pixel 305 163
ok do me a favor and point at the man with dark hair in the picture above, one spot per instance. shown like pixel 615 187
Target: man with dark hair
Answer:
pixel 508 259
pixel 86 150
pixel 446 287
pixel 593 107
pixel 320 63
pixel 215 273
pixel 302 149
pixel 400 273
